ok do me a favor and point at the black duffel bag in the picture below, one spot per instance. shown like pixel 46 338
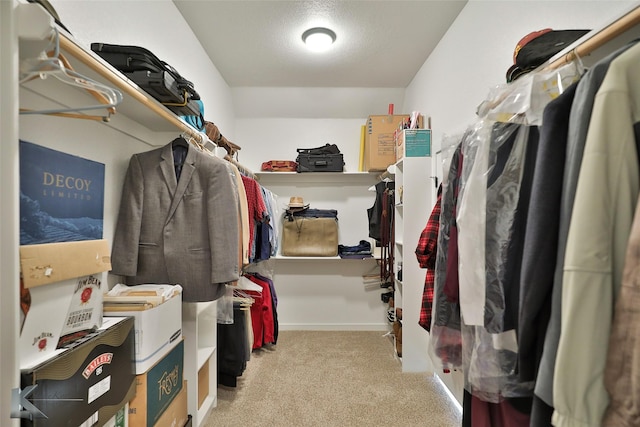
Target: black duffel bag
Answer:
pixel 154 76
pixel 320 159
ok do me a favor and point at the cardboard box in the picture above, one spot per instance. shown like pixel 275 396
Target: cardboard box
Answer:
pixel 120 419
pixel 50 312
pixel 413 143
pixel 88 382
pixel 176 414
pixel 54 262
pixel 157 329
pixel 379 146
pixel 157 388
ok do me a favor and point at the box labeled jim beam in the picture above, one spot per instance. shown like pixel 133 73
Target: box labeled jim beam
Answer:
pixel 88 382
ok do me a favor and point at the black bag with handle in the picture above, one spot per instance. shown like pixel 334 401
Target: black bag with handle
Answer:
pixel 154 76
pixel 320 159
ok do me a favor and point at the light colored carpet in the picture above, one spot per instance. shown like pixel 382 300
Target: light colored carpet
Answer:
pixel 318 378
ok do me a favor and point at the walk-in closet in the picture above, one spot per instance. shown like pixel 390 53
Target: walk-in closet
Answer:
pixel 433 222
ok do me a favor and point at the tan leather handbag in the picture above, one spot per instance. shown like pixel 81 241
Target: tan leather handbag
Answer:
pixel 310 236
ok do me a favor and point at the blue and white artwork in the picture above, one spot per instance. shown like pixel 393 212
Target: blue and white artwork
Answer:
pixel 61 196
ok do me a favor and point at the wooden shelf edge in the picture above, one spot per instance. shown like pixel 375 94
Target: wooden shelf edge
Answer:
pixel 122 83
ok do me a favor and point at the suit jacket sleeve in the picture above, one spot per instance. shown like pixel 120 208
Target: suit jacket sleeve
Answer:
pixel 222 208
pixel 124 252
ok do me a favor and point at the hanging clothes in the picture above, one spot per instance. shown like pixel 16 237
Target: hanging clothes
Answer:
pixel 374 213
pixel 426 252
pixel 446 339
pixel 621 373
pixel 257 211
pixel 605 200
pixel 232 354
pixel 172 230
pixel 491 178
pixel 243 215
pixel 579 119
pixel 263 316
pixel 541 235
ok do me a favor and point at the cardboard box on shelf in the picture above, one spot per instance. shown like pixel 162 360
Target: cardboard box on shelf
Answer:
pixel 413 143
pixel 158 320
pixel 176 414
pixel 51 313
pixel 53 262
pixel 379 146
pixel 120 419
pixel 157 388
pixel 88 382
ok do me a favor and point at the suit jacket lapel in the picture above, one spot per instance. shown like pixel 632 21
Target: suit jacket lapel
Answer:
pixel 188 168
pixel 168 170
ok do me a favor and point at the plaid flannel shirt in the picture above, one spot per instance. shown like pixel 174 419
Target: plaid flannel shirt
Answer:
pixel 426 254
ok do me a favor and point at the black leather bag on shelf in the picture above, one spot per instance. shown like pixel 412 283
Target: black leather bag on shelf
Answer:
pixel 320 159
pixel 154 76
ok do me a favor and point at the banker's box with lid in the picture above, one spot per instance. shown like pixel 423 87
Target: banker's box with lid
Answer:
pixel 158 319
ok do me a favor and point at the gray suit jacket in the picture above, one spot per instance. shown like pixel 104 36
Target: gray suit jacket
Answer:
pixel 171 231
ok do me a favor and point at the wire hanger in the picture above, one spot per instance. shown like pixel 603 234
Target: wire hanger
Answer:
pixel 55 64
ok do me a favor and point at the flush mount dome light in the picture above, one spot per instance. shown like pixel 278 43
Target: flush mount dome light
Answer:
pixel 319 38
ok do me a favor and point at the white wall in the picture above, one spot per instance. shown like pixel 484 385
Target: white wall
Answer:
pixel 159 27
pixel 278 138
pixel 476 51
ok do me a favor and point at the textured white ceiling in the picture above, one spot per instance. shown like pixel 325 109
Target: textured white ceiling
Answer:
pixel 257 43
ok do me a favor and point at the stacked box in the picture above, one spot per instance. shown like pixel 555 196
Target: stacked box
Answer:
pixel 158 328
pixel 413 143
pixel 157 388
pixel 379 145
pixel 88 382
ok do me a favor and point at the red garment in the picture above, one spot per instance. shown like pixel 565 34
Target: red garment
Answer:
pixel 426 254
pixel 262 320
pixel 502 414
pixel 256 206
pixel 452 283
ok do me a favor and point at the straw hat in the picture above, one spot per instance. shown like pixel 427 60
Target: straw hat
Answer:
pixel 296 202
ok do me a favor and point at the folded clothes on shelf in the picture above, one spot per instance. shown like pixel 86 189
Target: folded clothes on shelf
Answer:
pixel 361 250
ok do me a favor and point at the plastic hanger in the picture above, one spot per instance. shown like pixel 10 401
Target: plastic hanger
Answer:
pixel 246 284
pixel 52 63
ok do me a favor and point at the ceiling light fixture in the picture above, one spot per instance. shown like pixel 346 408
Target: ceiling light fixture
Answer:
pixel 318 39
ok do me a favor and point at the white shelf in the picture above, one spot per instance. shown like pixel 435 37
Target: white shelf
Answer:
pixel 204 354
pixel 207 405
pixel 411 175
pixel 137 105
pixel 199 325
pixel 355 178
pixel 319 258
